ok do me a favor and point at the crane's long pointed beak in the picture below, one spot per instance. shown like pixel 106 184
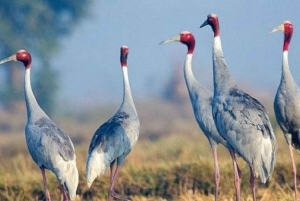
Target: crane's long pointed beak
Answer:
pixel 278 28
pixel 172 39
pixel 204 24
pixel 11 58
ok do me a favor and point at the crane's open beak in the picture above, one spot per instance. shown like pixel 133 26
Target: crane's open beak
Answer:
pixel 204 24
pixel 278 28
pixel 11 58
pixel 172 39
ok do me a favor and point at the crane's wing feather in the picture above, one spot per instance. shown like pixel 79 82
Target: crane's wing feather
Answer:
pixel 57 138
pixel 244 123
pixel 111 136
pixel 46 141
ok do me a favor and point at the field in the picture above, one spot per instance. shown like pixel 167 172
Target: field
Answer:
pixel 171 161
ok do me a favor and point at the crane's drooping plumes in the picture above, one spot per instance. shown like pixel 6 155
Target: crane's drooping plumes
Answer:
pixel 48 145
pixel 201 99
pixel 114 139
pixel 287 100
pixel 241 119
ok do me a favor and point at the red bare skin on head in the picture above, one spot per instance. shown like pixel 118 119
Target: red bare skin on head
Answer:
pixel 124 55
pixel 288 32
pixel 188 39
pixel 25 57
pixel 213 21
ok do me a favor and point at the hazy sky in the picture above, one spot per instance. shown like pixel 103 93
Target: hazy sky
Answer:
pixel 89 61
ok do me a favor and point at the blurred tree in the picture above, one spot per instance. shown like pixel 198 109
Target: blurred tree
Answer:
pixel 175 90
pixel 45 81
pixel 35 25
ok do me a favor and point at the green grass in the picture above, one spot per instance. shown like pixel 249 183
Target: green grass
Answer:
pixel 171 161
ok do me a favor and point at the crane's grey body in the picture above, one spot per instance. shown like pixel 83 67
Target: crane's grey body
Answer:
pixel 287 106
pixel 287 101
pixel 48 145
pixel 242 120
pixel 115 138
pixel 201 99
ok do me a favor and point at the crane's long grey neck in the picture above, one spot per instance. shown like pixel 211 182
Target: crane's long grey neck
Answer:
pixel 223 80
pixel 188 73
pixel 127 97
pixel 286 74
pixel 34 112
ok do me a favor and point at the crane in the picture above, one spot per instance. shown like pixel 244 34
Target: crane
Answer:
pixel 287 100
pixel 114 139
pixel 49 146
pixel 201 99
pixel 241 119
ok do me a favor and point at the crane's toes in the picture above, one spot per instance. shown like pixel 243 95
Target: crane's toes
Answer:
pixel 117 196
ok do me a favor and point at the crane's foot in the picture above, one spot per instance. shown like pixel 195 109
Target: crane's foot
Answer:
pixel 113 194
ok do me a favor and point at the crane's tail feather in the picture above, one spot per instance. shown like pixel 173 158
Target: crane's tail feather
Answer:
pixel 267 161
pixel 95 166
pixel 69 177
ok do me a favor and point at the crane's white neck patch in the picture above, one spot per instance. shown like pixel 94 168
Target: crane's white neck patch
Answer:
pixel 217 42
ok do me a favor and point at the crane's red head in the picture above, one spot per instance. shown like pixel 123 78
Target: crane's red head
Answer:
pixel 124 55
pixel 184 37
pixel 25 57
pixel 213 21
pixel 22 55
pixel 287 28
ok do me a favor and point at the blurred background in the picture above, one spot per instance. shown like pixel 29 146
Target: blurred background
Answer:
pixel 76 76
pixel 75 47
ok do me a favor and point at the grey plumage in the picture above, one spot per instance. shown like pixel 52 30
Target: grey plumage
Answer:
pixel 108 134
pixel 48 145
pixel 241 119
pixel 287 101
pixel 202 107
pixel 41 134
pixel 287 110
pixel 52 149
pixel 244 123
pixel 201 100
pixel 113 140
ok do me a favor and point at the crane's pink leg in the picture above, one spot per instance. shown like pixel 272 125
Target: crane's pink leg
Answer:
pixel 111 179
pixel 237 176
pixel 111 192
pixel 47 194
pixel 294 171
pixel 64 193
pixel 217 172
pixel 252 183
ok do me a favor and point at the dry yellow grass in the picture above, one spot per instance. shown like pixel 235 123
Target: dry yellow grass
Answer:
pixel 171 161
